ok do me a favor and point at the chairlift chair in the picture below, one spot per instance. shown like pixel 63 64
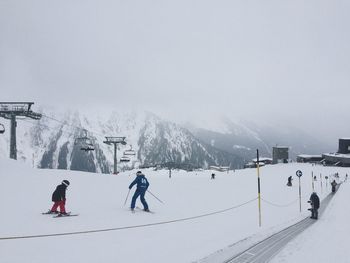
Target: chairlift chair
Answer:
pixel 84 142
pixel 129 151
pixel 87 148
pixel 2 128
pixel 124 159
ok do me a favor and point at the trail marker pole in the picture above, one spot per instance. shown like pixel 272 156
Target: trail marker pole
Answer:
pixel 299 174
pixel 259 197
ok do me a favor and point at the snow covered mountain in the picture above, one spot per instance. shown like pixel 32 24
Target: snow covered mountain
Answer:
pixel 49 142
pixel 243 138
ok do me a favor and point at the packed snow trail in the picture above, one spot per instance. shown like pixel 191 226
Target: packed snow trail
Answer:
pixel 265 250
pixel 128 227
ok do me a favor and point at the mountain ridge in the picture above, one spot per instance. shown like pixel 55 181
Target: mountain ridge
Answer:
pixel 49 142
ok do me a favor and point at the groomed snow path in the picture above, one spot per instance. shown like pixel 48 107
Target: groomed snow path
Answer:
pixel 265 250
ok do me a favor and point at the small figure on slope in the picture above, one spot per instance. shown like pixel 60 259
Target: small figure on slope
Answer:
pixel 315 205
pixel 289 183
pixel 59 198
pixel 212 176
pixel 334 186
pixel 141 188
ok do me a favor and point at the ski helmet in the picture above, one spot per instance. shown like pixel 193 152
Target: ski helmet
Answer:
pixel 65 182
pixel 138 173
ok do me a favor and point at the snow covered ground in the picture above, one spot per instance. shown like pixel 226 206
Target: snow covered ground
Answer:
pixel 328 240
pixel 99 200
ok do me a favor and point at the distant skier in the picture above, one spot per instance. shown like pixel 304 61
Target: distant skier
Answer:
pixel 334 186
pixel 212 176
pixel 59 198
pixel 315 205
pixel 142 185
pixel 289 183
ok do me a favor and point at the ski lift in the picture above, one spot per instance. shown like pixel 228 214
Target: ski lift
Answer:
pixel 2 128
pixel 125 159
pixel 130 151
pixel 84 142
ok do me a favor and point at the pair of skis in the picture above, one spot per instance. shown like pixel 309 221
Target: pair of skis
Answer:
pixel 140 209
pixel 59 214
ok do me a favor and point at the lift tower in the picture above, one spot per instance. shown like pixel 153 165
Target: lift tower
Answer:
pixel 10 110
pixel 115 141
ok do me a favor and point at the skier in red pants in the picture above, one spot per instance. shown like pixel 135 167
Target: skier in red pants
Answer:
pixel 59 197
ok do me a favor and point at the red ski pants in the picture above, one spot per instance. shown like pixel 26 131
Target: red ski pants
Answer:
pixel 60 204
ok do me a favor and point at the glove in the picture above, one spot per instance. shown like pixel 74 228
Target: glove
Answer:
pixel 130 187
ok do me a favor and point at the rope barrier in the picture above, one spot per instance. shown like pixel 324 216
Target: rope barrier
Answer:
pixel 278 205
pixel 128 227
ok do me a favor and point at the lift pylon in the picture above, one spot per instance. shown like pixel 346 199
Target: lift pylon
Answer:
pixel 115 141
pixel 12 110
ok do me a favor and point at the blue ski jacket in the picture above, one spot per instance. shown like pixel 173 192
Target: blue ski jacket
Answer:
pixel 141 181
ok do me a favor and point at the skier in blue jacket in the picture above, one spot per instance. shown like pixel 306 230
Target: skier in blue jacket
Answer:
pixel 142 185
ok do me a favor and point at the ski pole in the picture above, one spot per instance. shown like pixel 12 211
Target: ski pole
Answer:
pixel 155 197
pixel 126 197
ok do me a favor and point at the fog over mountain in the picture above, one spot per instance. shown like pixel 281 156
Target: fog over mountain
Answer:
pixel 281 63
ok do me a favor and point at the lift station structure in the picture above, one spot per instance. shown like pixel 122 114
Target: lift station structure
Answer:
pixel 12 110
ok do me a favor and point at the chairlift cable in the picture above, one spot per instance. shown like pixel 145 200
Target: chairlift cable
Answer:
pixel 48 127
pixel 80 128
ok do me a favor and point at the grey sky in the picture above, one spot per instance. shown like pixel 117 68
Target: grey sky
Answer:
pixel 245 58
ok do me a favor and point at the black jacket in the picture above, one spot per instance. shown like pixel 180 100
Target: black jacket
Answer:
pixel 60 193
pixel 315 201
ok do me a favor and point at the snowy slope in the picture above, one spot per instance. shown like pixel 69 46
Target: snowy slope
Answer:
pixel 99 200
pixel 326 241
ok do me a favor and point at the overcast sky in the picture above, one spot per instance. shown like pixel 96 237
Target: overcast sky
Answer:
pixel 251 59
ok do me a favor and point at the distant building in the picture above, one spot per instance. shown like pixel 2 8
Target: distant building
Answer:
pixel 280 154
pixel 306 158
pixel 219 168
pixel 340 158
pixel 253 165
pixel 344 146
pixel 263 160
